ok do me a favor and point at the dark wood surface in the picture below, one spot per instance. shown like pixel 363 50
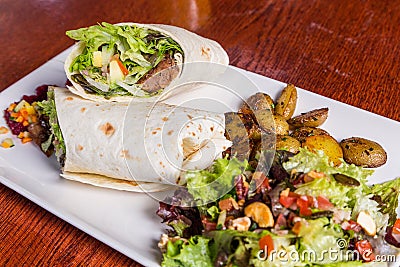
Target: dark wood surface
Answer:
pixel 346 50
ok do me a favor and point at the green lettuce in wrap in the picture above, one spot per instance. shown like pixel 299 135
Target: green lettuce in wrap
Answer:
pixel 113 62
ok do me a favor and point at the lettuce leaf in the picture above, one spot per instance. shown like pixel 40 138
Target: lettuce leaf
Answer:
pixel 318 237
pixel 388 193
pixel 48 108
pixel 211 184
pixel 195 252
pixel 306 161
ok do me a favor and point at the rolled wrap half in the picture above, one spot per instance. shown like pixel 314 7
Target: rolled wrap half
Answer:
pixel 137 146
pixel 107 83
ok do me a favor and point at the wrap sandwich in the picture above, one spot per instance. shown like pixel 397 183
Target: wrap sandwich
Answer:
pixel 140 146
pixel 112 62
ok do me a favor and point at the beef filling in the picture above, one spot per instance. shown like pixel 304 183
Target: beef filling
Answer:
pixel 160 76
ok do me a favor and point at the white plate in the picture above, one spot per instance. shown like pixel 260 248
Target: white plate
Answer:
pixel 127 221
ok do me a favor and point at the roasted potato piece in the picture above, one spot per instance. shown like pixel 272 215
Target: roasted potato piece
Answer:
pixel 286 103
pixel 235 127
pixel 270 123
pixel 281 126
pixel 258 101
pixel 312 118
pixel 363 152
pixel 327 144
pixel 288 143
pixel 265 120
pixel 303 132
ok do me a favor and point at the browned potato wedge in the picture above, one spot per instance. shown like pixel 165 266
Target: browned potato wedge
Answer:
pixel 303 132
pixel 272 124
pixel 312 118
pixel 281 125
pixel 363 152
pixel 327 144
pixel 288 143
pixel 265 120
pixel 286 103
pixel 258 101
pixel 235 128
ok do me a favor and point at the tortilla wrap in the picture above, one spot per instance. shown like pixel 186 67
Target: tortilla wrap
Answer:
pixel 195 49
pixel 121 145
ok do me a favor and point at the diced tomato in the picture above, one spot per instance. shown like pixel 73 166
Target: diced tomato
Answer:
pixel 396 227
pixel 304 206
pixel 265 184
pixel 266 243
pixel 261 181
pixel 287 201
pixel 365 249
pixel 324 203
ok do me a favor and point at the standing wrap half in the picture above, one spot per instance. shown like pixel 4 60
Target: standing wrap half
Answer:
pixel 140 146
pixel 112 62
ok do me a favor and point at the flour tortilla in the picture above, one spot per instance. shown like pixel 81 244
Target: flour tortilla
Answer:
pixel 146 151
pixel 195 49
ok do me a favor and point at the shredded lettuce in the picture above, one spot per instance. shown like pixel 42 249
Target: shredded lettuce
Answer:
pixel 318 237
pixel 366 203
pixel 48 108
pixel 306 161
pixel 209 185
pixel 195 252
pixel 388 192
pixel 213 212
pixel 139 49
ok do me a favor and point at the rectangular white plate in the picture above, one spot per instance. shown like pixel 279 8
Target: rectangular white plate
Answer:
pixel 127 221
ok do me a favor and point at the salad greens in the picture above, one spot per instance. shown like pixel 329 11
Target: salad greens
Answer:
pixel 207 185
pixel 48 108
pixel 318 220
pixel 134 50
pixel 388 197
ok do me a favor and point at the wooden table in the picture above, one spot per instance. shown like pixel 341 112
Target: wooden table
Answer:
pixel 346 50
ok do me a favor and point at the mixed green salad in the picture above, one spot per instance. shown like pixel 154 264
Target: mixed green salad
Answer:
pixel 303 211
pixel 116 58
